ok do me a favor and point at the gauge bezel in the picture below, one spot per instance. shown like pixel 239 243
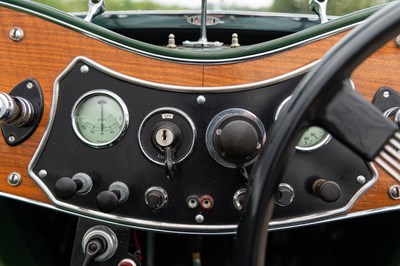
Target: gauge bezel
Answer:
pixel 314 147
pixel 116 98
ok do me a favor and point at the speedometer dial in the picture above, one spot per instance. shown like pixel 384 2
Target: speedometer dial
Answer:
pixel 100 118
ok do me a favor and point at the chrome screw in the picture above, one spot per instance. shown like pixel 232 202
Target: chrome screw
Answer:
pixel 386 94
pixel 394 192
pixel 11 138
pixel 16 34
pixel 398 41
pixel 14 179
pixel 29 85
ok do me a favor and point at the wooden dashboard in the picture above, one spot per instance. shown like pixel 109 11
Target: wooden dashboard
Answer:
pixel 47 48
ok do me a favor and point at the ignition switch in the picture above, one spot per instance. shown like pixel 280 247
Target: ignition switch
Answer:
pixel 167 137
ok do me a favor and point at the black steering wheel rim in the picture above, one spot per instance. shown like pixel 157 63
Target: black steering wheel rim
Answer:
pixel 309 104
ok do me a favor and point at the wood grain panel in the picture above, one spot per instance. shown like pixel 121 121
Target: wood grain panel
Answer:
pixel 269 66
pixel 48 48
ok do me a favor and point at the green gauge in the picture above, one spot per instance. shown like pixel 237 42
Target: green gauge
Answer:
pixel 100 118
pixel 313 138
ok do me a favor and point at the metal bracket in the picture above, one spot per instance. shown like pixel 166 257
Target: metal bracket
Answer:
pixel 96 7
pixel 30 90
pixel 319 7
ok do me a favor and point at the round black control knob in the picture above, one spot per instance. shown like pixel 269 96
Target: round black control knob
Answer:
pixel 80 184
pixel 66 187
pixel 328 191
pixel 239 139
pixel 107 201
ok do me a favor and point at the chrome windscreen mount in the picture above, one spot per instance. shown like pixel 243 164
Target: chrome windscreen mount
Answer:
pixel 203 41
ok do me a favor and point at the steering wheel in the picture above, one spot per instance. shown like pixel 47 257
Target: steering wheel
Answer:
pixel 324 98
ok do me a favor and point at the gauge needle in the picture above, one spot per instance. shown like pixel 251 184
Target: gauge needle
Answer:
pixel 102 102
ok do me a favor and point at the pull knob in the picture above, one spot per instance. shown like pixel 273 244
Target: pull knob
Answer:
pixel 239 140
pixel 80 184
pixel 107 201
pixel 328 191
pixel 15 111
pixel 155 198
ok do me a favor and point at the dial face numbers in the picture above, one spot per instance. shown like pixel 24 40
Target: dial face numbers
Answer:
pixel 100 118
pixel 313 138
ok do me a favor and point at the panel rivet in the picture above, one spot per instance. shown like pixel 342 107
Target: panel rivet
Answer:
pixel 361 179
pixel 14 179
pixel 84 69
pixel 394 192
pixel 42 173
pixel 16 34
pixel 199 218
pixel 201 99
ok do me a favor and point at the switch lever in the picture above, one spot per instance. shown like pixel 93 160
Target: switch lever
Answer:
pixel 167 137
pixel 94 248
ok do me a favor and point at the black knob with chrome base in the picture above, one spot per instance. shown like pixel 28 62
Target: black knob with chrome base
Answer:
pixel 81 184
pixel 107 201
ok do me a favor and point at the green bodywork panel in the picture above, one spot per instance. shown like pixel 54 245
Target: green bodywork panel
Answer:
pixel 108 36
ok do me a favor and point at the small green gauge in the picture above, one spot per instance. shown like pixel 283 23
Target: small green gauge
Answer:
pixel 100 118
pixel 313 138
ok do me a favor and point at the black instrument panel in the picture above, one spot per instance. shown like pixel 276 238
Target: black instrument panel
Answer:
pixel 170 181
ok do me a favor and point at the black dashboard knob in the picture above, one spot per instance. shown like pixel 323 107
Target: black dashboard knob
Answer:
pixel 80 184
pixel 328 191
pixel 107 201
pixel 239 139
pixel 66 187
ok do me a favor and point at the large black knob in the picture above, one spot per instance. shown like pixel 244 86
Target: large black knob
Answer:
pixel 328 191
pixel 107 201
pixel 239 140
pixel 80 184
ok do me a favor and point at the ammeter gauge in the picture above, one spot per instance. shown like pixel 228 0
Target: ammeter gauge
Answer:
pixel 313 138
pixel 100 118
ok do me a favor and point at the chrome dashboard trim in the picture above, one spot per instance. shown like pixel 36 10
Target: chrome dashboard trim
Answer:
pixel 175 59
pixel 160 226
